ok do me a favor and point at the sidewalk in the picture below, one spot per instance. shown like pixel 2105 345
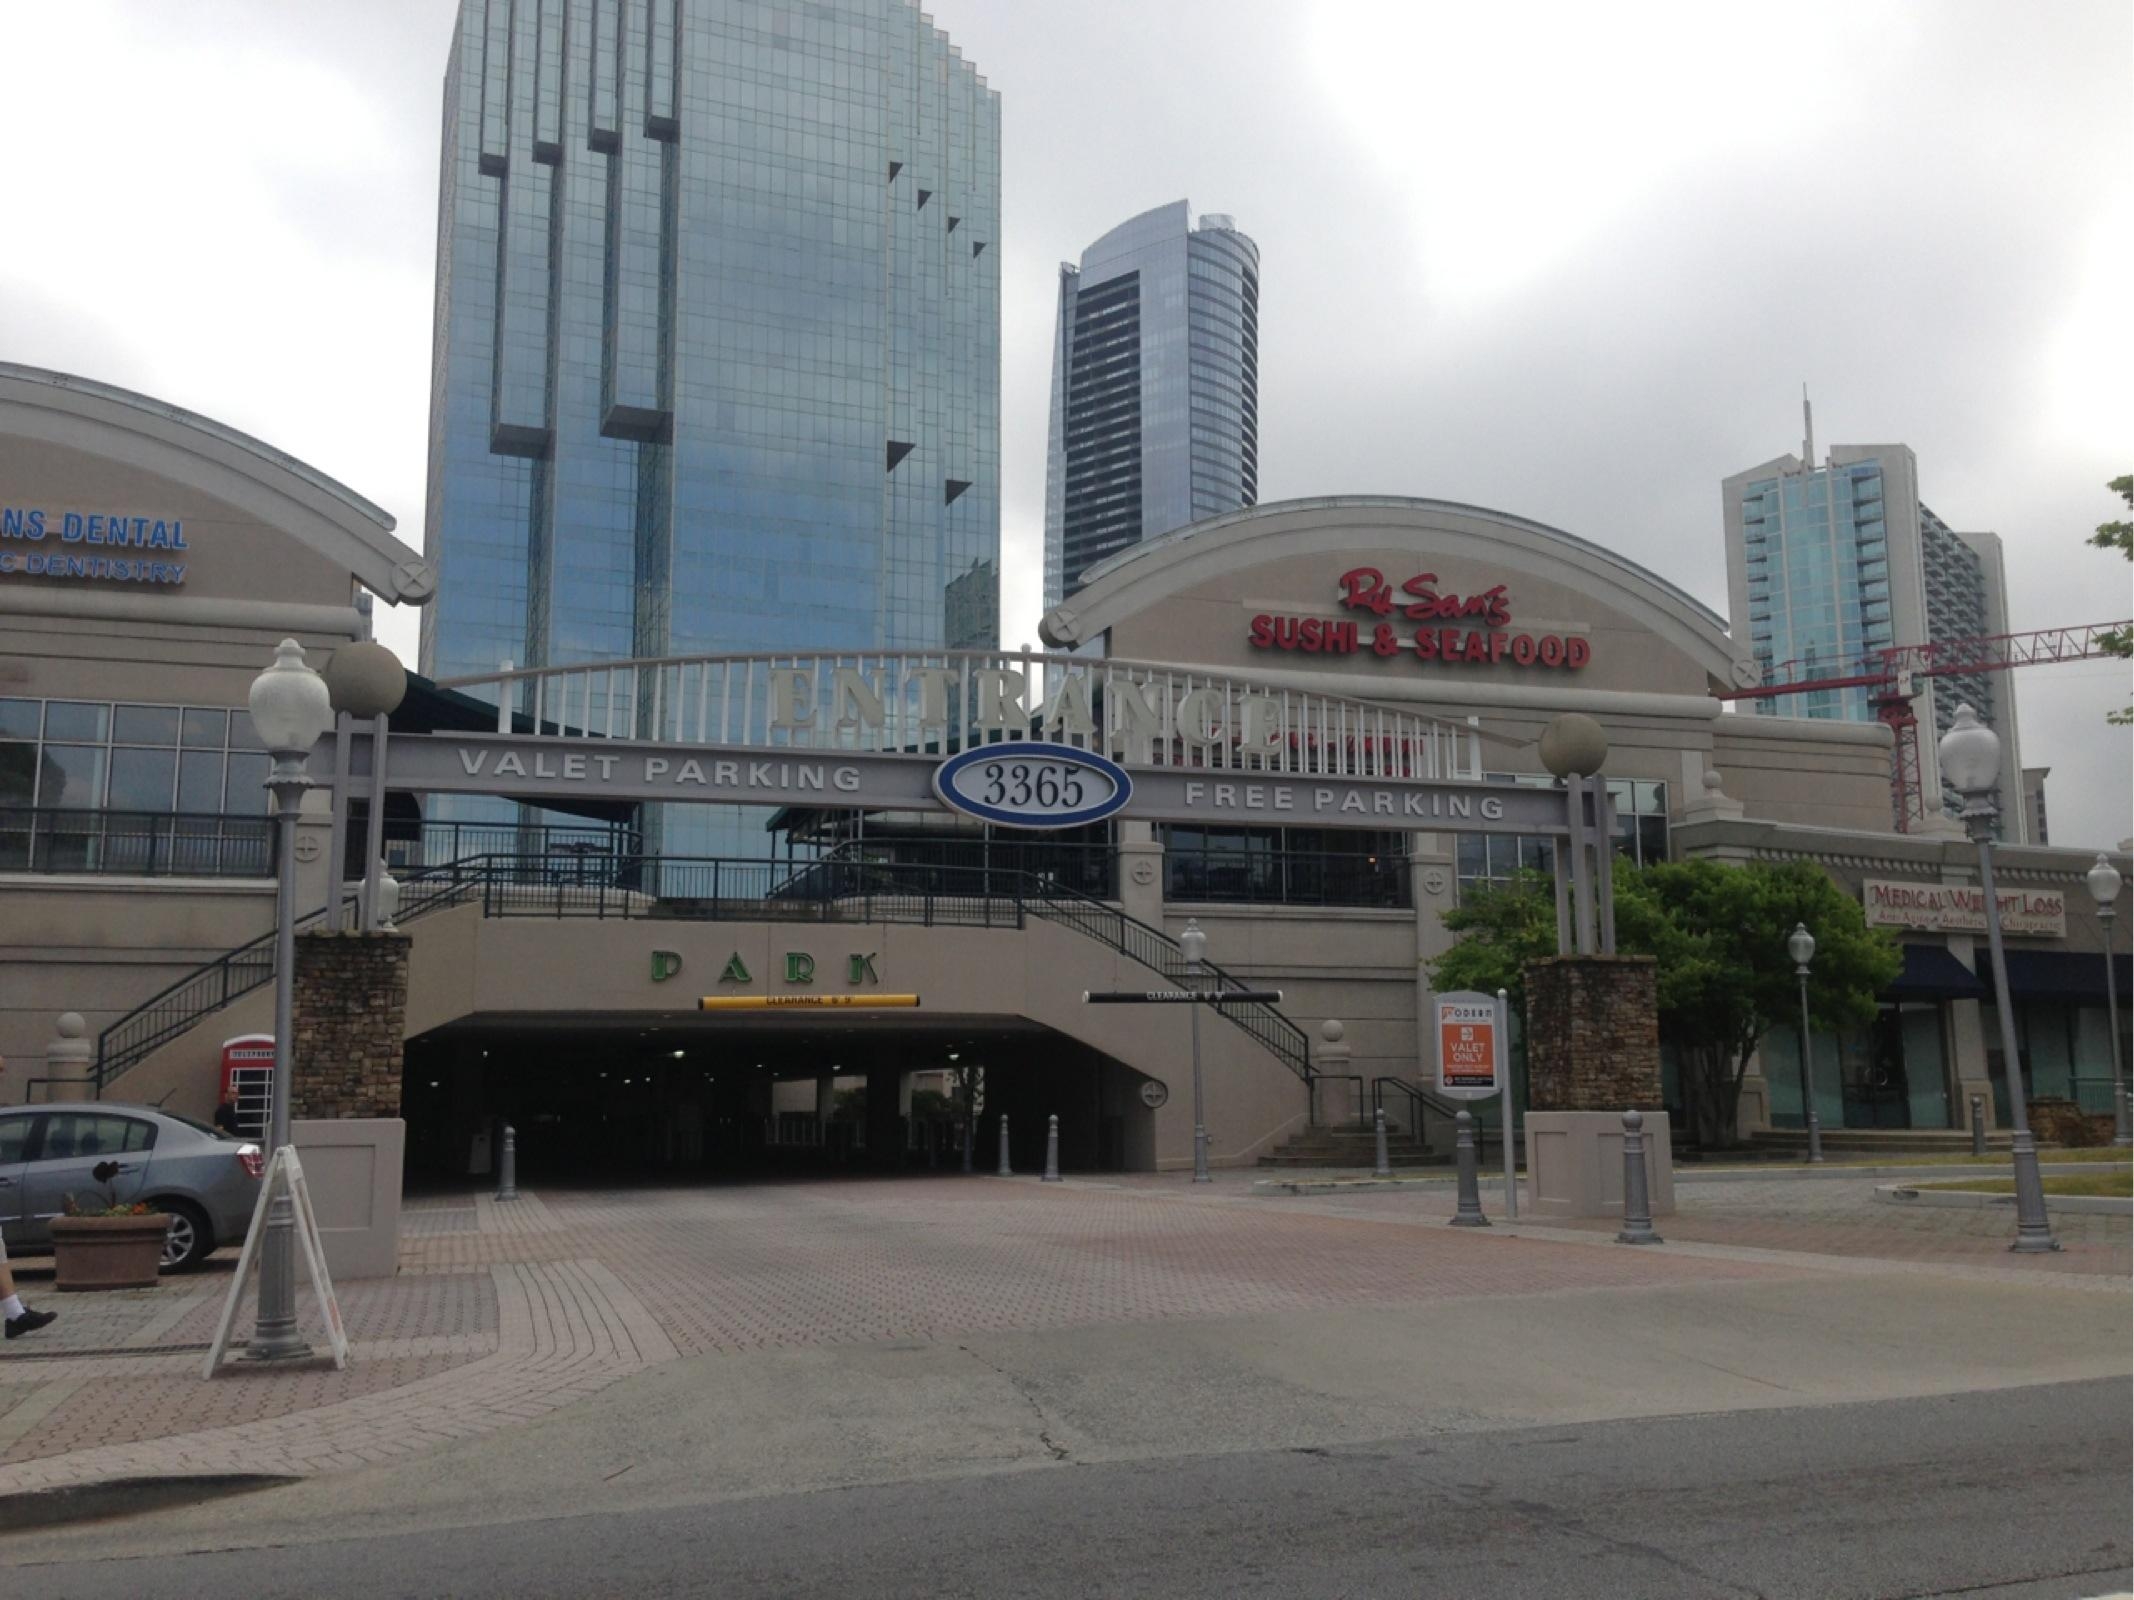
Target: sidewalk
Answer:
pixel 503 1313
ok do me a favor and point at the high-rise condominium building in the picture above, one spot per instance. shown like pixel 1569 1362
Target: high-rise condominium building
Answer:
pixel 717 350
pixel 1155 388
pixel 1829 565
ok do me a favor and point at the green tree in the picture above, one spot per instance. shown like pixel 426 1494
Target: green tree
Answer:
pixel 1718 936
pixel 2119 536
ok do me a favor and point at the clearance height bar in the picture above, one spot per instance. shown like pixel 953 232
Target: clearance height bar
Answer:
pixel 1179 997
pixel 804 1002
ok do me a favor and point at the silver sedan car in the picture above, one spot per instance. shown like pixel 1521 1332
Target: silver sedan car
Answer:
pixel 206 1181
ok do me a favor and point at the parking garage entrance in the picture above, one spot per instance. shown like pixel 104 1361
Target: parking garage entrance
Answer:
pixel 673 1098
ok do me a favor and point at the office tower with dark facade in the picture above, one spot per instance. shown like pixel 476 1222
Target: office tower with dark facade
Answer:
pixel 717 346
pixel 1155 388
pixel 1829 565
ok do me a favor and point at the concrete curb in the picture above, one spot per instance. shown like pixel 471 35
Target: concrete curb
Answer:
pixel 1267 1187
pixel 1967 1169
pixel 2084 1205
pixel 126 1497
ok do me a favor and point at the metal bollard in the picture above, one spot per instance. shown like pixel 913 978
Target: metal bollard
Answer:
pixel 1052 1151
pixel 1005 1171
pixel 507 1166
pixel 1978 1124
pixel 1637 1206
pixel 1384 1168
pixel 1469 1214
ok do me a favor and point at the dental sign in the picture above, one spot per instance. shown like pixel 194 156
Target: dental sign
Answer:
pixel 1032 784
pixel 92 546
pixel 1423 621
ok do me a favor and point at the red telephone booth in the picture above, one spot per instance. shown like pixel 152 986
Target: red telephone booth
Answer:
pixel 248 1081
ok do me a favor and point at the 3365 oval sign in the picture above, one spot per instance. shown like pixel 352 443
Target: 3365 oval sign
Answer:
pixel 1031 784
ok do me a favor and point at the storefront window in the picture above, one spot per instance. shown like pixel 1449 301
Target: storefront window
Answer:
pixel 1286 866
pixel 2066 1053
pixel 1781 1056
pixel 1926 1075
pixel 82 755
pixel 1486 860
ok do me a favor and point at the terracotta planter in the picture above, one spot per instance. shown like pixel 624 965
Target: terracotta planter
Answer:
pixel 108 1252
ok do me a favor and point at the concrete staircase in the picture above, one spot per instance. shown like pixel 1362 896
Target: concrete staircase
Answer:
pixel 1351 1146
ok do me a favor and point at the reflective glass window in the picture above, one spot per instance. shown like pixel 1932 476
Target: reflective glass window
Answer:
pixel 19 719
pixel 71 775
pixel 246 794
pixel 200 780
pixel 141 780
pixel 145 725
pixel 77 719
pixel 205 730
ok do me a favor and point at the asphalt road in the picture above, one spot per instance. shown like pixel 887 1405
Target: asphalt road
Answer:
pixel 2016 1492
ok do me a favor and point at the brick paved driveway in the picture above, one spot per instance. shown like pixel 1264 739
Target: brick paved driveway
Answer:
pixel 505 1312
pixel 813 1263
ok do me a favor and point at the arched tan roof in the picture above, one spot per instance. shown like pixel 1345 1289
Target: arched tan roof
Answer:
pixel 78 413
pixel 1137 578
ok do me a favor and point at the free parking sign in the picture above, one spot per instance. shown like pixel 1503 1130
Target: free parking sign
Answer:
pixel 1467 1046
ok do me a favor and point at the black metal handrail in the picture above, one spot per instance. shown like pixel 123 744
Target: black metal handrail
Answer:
pixel 719 889
pixel 135 844
pixel 208 989
pixel 1362 1121
pixel 1422 1103
pixel 1159 952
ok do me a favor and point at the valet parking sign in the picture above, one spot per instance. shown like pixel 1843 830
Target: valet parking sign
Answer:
pixel 1470 1041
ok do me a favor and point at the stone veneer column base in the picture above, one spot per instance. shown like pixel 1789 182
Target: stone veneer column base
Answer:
pixel 351 1024
pixel 1593 1034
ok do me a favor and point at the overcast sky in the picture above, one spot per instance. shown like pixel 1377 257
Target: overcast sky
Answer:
pixel 1572 261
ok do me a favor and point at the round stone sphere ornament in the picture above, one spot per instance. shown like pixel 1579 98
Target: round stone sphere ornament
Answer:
pixel 366 680
pixel 1572 743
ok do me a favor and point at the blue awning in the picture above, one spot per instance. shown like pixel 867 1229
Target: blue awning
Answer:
pixel 1931 973
pixel 2075 977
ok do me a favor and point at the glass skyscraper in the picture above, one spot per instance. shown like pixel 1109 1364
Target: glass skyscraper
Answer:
pixel 717 341
pixel 1828 566
pixel 1155 388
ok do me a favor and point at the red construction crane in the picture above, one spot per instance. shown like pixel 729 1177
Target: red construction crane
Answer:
pixel 1891 676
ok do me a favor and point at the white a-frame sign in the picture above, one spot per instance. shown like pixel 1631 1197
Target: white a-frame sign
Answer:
pixel 284 1170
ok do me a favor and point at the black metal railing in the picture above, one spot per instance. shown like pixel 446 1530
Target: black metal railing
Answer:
pixel 412 847
pixel 170 1012
pixel 1363 1117
pixel 722 889
pixel 135 844
pixel 1421 1108
pixel 1159 952
pixel 838 889
pixel 1286 878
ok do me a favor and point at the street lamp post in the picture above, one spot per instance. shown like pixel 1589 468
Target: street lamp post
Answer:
pixel 1194 944
pixel 291 712
pixel 1800 944
pixel 1971 761
pixel 2104 884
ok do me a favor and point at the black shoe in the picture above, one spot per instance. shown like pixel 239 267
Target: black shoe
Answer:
pixel 29 1322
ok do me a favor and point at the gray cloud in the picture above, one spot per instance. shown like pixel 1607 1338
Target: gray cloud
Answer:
pixel 1571 262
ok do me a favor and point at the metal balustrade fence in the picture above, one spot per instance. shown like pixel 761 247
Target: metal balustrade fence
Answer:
pixel 135 844
pixel 170 1012
pixel 716 889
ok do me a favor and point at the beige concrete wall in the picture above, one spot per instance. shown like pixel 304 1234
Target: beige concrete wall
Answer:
pixel 100 946
pixel 462 965
pixel 353 1166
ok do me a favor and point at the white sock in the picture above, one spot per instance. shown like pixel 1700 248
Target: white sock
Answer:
pixel 12 1307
